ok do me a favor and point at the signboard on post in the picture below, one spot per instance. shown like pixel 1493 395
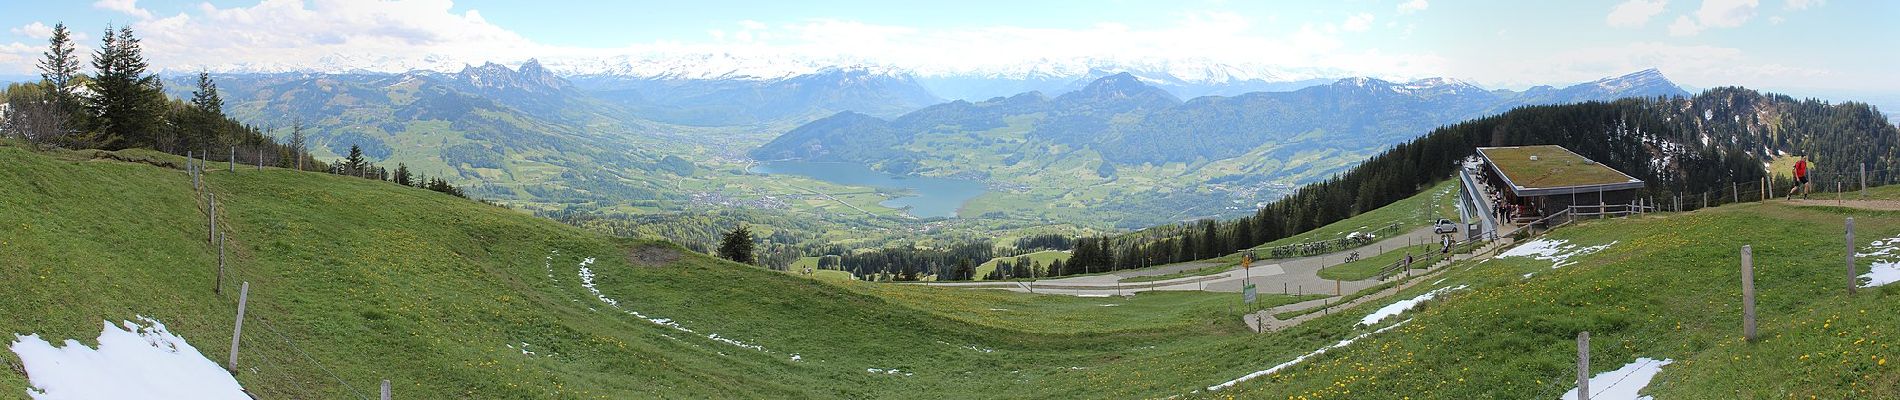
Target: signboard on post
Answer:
pixel 1247 291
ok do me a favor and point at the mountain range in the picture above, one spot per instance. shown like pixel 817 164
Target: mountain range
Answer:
pixel 1128 121
pixel 530 133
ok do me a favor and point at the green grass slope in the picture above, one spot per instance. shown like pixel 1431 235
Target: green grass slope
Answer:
pixel 439 295
pixel 373 281
pixel 1669 287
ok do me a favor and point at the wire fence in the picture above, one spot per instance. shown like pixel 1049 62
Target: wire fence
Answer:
pixel 1319 247
pixel 1839 186
pixel 274 356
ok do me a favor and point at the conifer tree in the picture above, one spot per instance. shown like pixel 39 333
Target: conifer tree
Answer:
pixel 126 101
pixel 206 97
pixel 353 164
pixel 59 69
pixel 737 245
pixel 297 143
pixel 402 176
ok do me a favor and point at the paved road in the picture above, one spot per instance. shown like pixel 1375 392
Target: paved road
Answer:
pixel 1292 275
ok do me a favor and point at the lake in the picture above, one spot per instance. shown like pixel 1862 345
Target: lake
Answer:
pixel 926 196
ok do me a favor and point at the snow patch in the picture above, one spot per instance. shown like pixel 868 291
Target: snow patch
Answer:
pixel 892 371
pixel 587 281
pixel 1885 254
pixel 1297 360
pixel 1623 383
pixel 134 362
pixel 1557 251
pixel 1403 305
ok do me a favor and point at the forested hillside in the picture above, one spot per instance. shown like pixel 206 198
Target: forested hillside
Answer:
pixel 1678 146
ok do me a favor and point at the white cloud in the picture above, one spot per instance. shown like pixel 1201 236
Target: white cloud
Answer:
pixel 423 33
pixel 1696 65
pixel 1776 20
pixel 1684 27
pixel 1412 6
pixel 1715 14
pixel 129 7
pixel 395 36
pixel 1725 13
pixel 1635 13
pixel 34 30
pixel 1357 23
pixel 1797 5
pixel 18 54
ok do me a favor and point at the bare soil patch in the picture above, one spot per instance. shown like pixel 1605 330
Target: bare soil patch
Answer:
pixel 652 256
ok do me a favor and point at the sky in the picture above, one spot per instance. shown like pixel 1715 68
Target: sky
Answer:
pixel 1792 46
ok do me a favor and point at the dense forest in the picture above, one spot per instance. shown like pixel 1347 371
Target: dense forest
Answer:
pixel 1679 146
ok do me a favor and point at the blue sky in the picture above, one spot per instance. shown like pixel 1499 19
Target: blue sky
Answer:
pixel 1804 46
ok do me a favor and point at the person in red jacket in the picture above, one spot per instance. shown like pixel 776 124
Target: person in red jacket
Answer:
pixel 1800 178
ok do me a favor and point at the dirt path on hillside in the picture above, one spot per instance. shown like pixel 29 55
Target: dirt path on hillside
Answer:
pixel 1878 205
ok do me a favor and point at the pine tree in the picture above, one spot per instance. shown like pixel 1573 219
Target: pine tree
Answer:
pixel 126 101
pixel 297 142
pixel 965 271
pixel 737 246
pixel 402 176
pixel 353 164
pixel 206 97
pixel 58 70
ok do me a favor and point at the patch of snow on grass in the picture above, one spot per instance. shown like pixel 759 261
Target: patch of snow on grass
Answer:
pixel 1623 383
pixel 892 371
pixel 1297 360
pixel 1885 254
pixel 1557 251
pixel 136 362
pixel 1402 305
pixel 587 281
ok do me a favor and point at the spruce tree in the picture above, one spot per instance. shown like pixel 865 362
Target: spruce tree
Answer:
pixel 297 142
pixel 354 164
pixel 206 97
pixel 126 101
pixel 58 70
pixel 737 245
pixel 402 176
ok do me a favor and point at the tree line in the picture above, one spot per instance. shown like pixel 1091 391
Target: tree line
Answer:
pixel 1678 146
pixel 122 106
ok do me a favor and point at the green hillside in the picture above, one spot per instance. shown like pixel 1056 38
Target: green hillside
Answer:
pixel 441 295
pixel 1665 287
pixel 438 294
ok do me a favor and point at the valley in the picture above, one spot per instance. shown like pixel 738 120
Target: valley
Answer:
pixel 1412 199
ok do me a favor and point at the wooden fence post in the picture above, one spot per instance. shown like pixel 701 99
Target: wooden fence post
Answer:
pixel 237 332
pixel 385 389
pixel 1583 365
pixel 1738 191
pixel 1748 293
pixel 211 218
pixel 218 285
pixel 233 158
pixel 1852 278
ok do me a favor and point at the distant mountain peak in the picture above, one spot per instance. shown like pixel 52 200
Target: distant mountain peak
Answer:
pixel 1647 82
pixel 530 77
pixel 1123 85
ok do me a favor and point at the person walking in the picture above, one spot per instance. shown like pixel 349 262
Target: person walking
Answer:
pixel 1800 178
